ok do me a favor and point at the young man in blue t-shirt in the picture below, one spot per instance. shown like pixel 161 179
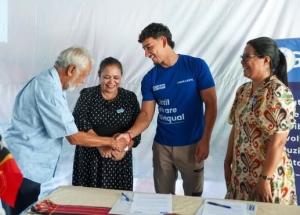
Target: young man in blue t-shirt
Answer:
pixel 179 85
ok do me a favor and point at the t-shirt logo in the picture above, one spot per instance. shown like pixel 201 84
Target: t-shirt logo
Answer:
pixel 184 81
pixel 159 87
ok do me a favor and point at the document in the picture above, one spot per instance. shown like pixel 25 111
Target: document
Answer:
pixel 226 207
pixel 145 204
pixel 151 203
pixel 122 206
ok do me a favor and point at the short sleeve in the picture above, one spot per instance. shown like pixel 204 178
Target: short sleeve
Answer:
pixel 231 118
pixel 278 110
pixel 204 77
pixel 54 111
pixel 146 88
pixel 81 111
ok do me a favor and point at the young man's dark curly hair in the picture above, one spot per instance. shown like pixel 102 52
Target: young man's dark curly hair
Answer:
pixel 156 30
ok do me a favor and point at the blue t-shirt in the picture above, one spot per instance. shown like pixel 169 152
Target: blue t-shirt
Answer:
pixel 176 89
pixel 40 119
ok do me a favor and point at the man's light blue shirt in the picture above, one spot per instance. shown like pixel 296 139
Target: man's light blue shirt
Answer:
pixel 40 119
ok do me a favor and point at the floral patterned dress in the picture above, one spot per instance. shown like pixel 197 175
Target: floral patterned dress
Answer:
pixel 271 109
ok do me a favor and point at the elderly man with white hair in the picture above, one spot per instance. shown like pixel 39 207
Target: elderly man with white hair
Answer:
pixel 41 119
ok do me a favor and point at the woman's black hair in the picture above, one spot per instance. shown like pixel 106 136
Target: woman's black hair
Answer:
pixel 109 61
pixel 265 46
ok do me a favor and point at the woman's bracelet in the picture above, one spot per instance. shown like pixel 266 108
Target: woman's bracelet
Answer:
pixel 127 147
pixel 128 134
pixel 264 177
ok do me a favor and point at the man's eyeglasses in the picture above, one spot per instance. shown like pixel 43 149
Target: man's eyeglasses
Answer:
pixel 247 57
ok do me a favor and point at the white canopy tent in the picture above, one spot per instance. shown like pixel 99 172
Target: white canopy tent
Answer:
pixel 34 32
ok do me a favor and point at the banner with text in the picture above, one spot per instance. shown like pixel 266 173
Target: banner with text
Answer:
pixel 291 50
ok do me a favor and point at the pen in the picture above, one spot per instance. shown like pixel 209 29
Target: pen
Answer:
pixel 126 197
pixel 220 205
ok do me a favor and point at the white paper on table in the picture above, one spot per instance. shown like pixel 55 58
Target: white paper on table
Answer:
pixel 122 206
pixel 237 208
pixel 251 209
pixel 151 204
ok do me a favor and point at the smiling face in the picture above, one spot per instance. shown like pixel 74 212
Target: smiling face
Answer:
pixel 154 49
pixel 110 79
pixel 255 67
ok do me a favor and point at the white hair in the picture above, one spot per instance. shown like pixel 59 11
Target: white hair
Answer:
pixel 74 55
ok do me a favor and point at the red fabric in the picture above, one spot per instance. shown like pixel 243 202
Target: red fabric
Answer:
pixel 10 177
pixel 48 207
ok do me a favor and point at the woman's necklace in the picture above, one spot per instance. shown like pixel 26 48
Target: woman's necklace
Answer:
pixel 253 97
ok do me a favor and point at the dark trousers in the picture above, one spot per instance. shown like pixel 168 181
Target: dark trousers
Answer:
pixel 27 195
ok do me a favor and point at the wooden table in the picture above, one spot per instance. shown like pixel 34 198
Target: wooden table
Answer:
pixel 183 205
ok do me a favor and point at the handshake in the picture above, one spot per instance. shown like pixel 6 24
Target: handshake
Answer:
pixel 119 141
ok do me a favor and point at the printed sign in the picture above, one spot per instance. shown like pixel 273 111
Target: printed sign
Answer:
pixel 291 50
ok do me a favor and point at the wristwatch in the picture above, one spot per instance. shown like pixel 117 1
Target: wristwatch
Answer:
pixel 264 177
pixel 126 148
